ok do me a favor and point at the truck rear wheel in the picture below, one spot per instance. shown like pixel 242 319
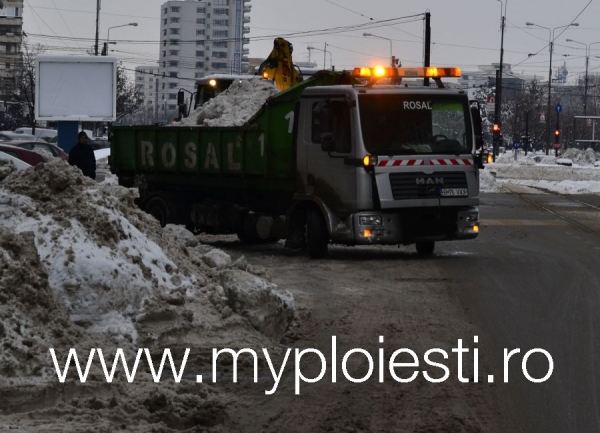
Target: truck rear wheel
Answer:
pixel 159 209
pixel 317 236
pixel 425 248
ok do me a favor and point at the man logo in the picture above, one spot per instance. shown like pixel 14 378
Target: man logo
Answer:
pixel 430 180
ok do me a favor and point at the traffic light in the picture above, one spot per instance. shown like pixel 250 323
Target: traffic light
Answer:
pixel 557 135
pixel 496 129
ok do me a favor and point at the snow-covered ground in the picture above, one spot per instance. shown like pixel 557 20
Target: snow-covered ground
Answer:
pixel 538 170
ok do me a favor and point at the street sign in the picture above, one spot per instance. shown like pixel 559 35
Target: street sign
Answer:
pixel 490 106
pixel 588 122
pixel 558 108
pixel 542 118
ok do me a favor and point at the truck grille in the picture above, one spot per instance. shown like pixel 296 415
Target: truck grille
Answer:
pixel 407 186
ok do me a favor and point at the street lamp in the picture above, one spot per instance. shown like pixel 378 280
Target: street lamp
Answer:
pixel 114 27
pixel 587 59
pixel 325 51
pixel 551 44
pixel 381 37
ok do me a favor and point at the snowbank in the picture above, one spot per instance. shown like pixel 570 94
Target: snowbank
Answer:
pixel 83 266
pixel 543 171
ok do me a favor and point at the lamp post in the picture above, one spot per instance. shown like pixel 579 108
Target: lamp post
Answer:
pixel 587 60
pixel 114 27
pixel 381 37
pixel 551 45
pixel 325 51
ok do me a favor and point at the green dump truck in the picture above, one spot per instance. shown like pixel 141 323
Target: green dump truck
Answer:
pixel 337 158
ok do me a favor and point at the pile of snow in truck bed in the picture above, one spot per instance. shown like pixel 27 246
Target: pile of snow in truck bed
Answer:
pixel 233 107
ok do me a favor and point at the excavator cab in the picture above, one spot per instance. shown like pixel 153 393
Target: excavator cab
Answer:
pixel 279 66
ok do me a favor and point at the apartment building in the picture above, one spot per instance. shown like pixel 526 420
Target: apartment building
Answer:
pixel 199 38
pixel 11 38
pixel 147 83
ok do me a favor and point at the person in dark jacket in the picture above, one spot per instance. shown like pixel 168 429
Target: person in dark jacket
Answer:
pixel 82 156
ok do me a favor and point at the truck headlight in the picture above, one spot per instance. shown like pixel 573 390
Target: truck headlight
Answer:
pixel 472 217
pixel 370 220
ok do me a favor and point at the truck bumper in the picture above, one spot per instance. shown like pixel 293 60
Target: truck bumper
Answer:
pixel 408 226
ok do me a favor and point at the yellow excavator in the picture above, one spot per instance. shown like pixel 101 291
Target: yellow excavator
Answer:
pixel 279 66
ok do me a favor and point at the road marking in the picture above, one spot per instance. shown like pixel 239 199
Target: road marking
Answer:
pixel 524 222
pixel 199 378
pixel 491 378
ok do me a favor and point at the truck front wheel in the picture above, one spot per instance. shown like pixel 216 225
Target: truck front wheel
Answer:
pixel 159 209
pixel 425 248
pixel 317 236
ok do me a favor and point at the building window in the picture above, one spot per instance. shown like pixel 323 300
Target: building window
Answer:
pixel 8 66
pixel 219 65
pixel 164 54
pixel 200 10
pixel 221 22
pixel 173 42
pixel 164 10
pixel 174 20
pixel 165 32
pixel 220 11
pixel 199 32
pixel 219 55
pixel 219 44
pixel 174 52
pixel 173 74
pixel 174 31
pixel 199 53
pixel 200 20
pixel 220 33
pixel 221 2
pixel 172 96
pixel 199 64
pixel 172 85
pixel 173 63
pixel 174 8
pixel 165 22
pixel 199 43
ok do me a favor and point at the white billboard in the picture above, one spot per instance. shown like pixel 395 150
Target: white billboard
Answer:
pixel 77 88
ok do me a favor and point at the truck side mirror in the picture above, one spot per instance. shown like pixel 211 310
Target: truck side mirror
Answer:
pixel 180 98
pixel 476 116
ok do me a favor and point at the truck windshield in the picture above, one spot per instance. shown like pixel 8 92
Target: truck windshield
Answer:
pixel 415 124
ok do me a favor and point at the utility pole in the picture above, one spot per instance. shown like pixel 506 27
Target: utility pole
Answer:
pixel 427 56
pixel 498 107
pixel 97 26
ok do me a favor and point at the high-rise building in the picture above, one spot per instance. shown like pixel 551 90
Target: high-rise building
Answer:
pixel 199 38
pixel 11 38
pixel 147 83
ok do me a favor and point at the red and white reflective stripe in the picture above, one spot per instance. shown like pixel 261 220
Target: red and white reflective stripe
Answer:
pixel 413 162
pixel 398 162
pixel 451 162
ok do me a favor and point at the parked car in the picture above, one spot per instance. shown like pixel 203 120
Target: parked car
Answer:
pixel 21 165
pixel 28 156
pixel 42 133
pixel 12 136
pixel 48 147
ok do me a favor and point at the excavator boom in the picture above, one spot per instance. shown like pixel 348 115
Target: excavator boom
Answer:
pixel 279 66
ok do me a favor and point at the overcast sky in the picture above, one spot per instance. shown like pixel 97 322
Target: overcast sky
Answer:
pixel 465 33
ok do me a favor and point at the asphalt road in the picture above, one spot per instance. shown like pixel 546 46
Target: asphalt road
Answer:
pixel 533 282
pixel 529 281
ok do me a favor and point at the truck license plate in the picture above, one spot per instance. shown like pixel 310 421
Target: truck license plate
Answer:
pixel 454 192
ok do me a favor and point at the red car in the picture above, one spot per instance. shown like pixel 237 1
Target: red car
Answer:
pixel 51 148
pixel 25 155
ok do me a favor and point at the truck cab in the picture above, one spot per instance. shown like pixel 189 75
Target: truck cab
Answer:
pixel 387 164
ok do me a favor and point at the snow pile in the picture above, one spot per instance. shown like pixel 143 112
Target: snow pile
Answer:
pixel 233 107
pixel 543 171
pixel 83 266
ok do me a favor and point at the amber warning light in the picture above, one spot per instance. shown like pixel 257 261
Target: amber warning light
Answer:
pixel 425 72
